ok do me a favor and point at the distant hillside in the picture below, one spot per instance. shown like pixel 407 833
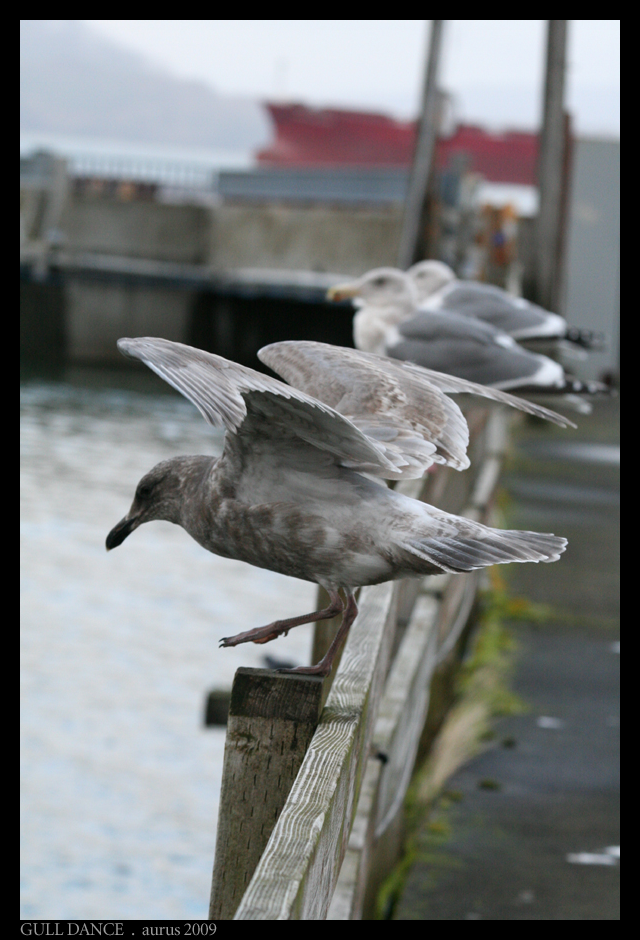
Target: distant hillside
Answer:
pixel 74 82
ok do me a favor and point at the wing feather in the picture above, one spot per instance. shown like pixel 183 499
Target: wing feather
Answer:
pixel 220 390
pixel 404 410
pixel 452 385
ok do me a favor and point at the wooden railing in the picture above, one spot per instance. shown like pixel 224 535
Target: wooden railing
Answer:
pixel 315 772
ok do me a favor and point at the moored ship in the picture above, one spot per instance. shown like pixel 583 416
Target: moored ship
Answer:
pixel 325 137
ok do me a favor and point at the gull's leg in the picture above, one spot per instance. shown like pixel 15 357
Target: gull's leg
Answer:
pixel 273 630
pixel 323 668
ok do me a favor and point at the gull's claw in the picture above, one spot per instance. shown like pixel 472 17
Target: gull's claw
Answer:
pixel 318 670
pixel 260 635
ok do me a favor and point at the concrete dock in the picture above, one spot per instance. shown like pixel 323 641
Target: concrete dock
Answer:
pixel 528 829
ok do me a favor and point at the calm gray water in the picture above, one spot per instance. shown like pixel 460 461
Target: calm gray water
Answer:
pixel 120 780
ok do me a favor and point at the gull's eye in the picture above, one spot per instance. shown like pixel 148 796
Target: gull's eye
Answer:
pixel 379 282
pixel 144 491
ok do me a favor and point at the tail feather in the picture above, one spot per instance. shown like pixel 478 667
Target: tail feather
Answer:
pixel 474 553
pixel 485 547
pixel 569 387
pixel 588 339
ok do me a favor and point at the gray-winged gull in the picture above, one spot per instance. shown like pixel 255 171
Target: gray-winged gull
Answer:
pixel 389 322
pixel 439 289
pixel 289 492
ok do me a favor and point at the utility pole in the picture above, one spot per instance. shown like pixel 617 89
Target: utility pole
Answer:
pixel 552 175
pixel 423 154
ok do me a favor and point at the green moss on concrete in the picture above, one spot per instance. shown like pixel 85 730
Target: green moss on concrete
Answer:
pixel 481 692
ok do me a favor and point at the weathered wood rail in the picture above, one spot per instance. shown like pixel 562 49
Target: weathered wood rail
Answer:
pixel 311 803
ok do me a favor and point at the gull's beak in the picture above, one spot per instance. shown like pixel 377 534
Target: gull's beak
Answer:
pixel 120 531
pixel 342 292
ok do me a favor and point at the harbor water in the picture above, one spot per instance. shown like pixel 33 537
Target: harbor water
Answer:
pixel 120 778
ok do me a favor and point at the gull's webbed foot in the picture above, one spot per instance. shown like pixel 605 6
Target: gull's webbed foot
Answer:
pixel 279 627
pixel 318 670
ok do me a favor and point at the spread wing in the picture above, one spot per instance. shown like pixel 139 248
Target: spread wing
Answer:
pixel 402 410
pixel 256 407
pixel 453 385
pixel 398 403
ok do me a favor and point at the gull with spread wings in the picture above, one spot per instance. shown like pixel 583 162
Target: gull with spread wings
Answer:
pixel 298 488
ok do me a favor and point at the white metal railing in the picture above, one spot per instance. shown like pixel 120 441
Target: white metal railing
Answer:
pixel 175 174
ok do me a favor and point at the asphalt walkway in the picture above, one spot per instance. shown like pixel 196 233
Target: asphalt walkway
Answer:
pixel 529 829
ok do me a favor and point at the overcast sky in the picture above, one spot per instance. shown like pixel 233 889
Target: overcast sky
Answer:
pixel 493 67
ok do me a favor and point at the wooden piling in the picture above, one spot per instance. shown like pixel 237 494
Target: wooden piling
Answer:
pixel 551 165
pixel 421 170
pixel 272 718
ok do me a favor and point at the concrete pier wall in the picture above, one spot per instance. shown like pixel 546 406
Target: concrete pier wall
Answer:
pixel 137 229
pixel 313 238
pixel 69 228
pixel 98 314
pixel 98 308
pixel 349 240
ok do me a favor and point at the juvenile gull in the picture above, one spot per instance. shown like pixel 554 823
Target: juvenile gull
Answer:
pixel 440 290
pixel 289 491
pixel 389 322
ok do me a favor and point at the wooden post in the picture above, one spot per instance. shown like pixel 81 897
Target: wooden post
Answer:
pixel 423 156
pixel 272 718
pixel 551 161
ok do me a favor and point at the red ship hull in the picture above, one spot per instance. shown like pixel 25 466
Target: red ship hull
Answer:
pixel 308 137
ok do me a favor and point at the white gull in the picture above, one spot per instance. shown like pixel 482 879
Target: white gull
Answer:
pixel 390 322
pixel 439 289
